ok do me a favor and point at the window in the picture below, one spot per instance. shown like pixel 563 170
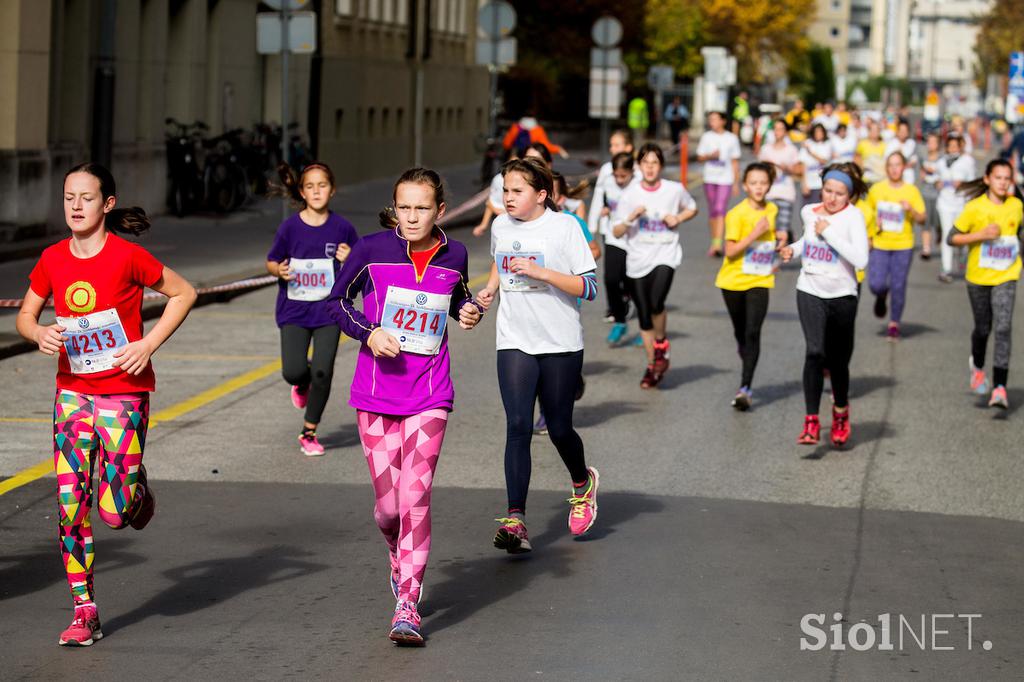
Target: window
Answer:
pixel 834 32
pixel 371 123
pixel 439 120
pixel 343 7
pixel 388 11
pixel 373 11
pixel 400 121
pixel 339 122
pixel 401 11
pixel 385 115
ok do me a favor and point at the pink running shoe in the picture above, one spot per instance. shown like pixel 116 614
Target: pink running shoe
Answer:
pixel 405 626
pixel 84 629
pixel 300 396
pixel 512 536
pixel 999 398
pixel 583 509
pixel 309 444
pixel 979 382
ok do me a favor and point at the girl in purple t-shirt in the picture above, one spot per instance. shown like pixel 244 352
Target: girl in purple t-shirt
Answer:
pixel 306 257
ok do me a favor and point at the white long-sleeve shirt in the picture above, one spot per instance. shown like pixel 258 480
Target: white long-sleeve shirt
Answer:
pixel 829 262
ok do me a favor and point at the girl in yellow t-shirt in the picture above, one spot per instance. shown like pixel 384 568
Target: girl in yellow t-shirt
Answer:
pixel 747 271
pixel 892 208
pixel 870 154
pixel 990 226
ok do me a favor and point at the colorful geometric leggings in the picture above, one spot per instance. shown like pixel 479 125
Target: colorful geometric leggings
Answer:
pixel 402 455
pixel 83 425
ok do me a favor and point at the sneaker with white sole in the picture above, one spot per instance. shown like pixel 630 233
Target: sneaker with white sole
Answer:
pixel 512 536
pixel 309 444
pixel 84 628
pixel 405 625
pixel 979 382
pixel 999 398
pixel 583 508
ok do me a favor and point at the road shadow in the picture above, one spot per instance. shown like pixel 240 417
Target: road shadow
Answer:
pixel 864 433
pixel 908 330
pixel 688 374
pixel 1013 396
pixel 766 395
pixel 602 413
pixel 202 584
pixel 38 569
pixel 471 586
pixel 346 437
pixel 861 386
pixel 599 367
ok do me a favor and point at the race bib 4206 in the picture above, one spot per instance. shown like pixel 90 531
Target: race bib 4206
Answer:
pixel 503 255
pixel 819 257
pixel 92 340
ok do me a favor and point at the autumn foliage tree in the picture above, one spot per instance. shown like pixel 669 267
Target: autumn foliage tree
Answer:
pixel 999 34
pixel 763 35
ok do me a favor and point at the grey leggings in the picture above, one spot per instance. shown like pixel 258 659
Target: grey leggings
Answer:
pixel 992 304
pixel 316 375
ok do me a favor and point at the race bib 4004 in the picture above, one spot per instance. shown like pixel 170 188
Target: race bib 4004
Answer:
pixel 503 256
pixel 92 340
pixel 999 254
pixel 417 319
pixel 313 279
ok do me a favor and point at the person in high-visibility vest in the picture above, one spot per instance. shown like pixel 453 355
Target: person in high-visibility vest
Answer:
pixel 638 118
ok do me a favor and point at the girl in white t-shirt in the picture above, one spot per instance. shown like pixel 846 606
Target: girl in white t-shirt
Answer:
pixel 833 248
pixel 648 217
pixel 844 144
pixel 815 154
pixel 542 266
pixel 953 169
pixel 616 282
pixel 719 151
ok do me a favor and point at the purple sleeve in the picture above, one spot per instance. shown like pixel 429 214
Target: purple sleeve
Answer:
pixel 279 249
pixel 341 302
pixel 351 236
pixel 462 295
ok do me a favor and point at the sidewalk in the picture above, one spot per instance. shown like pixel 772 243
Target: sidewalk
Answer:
pixel 208 250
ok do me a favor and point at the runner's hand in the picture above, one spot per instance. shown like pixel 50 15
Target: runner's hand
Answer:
pixel 469 316
pixel 383 344
pixel 905 205
pixel 50 339
pixel 134 357
pixel 527 268
pixel 820 225
pixel 342 253
pixel 671 220
pixel 283 271
pixel 480 230
pixel 990 232
pixel 761 227
pixel 637 212
pixel 605 212
pixel 485 298
pixel 786 253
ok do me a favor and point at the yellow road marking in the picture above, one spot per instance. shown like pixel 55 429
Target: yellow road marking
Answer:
pixel 26 420
pixel 171 413
pixel 212 357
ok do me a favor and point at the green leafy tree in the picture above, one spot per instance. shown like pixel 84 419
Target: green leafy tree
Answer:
pixel 999 34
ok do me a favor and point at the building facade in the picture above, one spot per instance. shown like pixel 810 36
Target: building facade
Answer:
pixel 374 99
pixel 941 47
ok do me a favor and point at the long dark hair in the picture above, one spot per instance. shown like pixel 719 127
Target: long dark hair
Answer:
pixel 417 176
pixel 132 220
pixel 537 176
pixel 291 182
pixel 975 188
pixel 860 188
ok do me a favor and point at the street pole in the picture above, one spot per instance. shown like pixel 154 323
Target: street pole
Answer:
pixel 604 113
pixel 285 48
pixel 494 74
pixel 103 86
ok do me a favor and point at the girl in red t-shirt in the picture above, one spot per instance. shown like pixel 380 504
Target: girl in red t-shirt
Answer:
pixel 104 375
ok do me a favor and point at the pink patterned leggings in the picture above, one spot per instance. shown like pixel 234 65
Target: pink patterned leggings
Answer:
pixel 402 455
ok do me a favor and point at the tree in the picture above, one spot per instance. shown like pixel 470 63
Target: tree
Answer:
pixel 813 75
pixel 759 33
pixel 998 36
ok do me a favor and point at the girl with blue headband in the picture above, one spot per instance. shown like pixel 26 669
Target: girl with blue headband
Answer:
pixel 834 246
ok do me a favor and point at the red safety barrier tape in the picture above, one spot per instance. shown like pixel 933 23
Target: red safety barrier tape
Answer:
pixel 249 283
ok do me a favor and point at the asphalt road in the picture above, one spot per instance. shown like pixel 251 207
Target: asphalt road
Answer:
pixel 717 534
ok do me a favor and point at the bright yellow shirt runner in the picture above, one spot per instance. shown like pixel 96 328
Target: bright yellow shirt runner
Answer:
pixel 754 267
pixel 993 262
pixel 890 227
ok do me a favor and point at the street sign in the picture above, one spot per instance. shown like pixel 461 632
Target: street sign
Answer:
pixel 660 77
pixel 292 4
pixel 301 32
pixel 605 92
pixel 607 32
pixel 1015 89
pixel 605 59
pixel 496 53
pixel 496 19
pixel 715 64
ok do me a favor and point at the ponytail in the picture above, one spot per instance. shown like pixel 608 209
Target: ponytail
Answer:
pixel 133 220
pixel 975 188
pixel 291 183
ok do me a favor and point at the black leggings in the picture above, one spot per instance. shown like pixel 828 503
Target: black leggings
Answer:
pixel 298 371
pixel 649 294
pixel 554 378
pixel 747 310
pixel 616 285
pixel 828 325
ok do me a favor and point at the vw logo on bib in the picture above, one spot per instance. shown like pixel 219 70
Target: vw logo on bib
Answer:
pixel 421 299
pixel 83 322
pixel 516 246
pixel 309 264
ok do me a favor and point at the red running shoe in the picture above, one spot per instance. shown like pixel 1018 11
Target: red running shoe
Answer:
pixel 812 431
pixel 84 629
pixel 651 378
pixel 661 356
pixel 840 426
